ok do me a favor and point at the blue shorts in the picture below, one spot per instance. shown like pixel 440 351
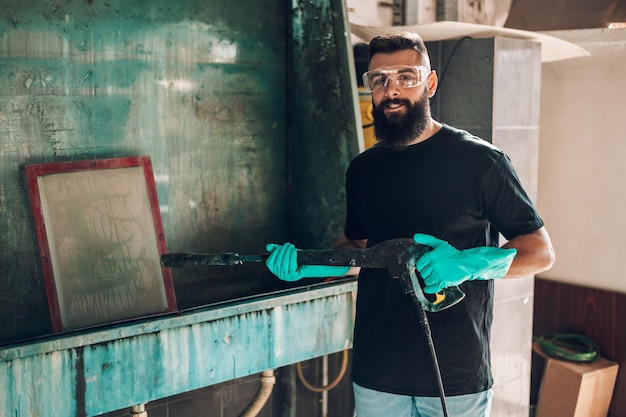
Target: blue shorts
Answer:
pixel 371 403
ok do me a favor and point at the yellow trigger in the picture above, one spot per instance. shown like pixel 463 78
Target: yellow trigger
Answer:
pixel 439 297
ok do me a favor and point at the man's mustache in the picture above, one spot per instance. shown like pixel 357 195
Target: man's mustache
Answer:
pixel 389 101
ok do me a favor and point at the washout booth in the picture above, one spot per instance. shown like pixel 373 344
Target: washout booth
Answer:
pixel 247 115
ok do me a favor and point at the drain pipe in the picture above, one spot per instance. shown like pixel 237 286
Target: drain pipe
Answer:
pixel 267 385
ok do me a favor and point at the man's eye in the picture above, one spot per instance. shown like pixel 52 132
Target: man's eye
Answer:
pixel 378 81
pixel 407 79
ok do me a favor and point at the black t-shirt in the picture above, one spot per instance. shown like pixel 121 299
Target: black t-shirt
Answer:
pixel 455 187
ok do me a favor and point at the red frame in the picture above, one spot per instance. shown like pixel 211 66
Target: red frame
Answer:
pixel 33 172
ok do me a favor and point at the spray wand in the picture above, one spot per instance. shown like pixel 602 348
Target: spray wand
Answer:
pixel 398 256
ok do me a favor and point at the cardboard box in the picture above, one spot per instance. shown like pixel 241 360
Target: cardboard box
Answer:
pixel 571 389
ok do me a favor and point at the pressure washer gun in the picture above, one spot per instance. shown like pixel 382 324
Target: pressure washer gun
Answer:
pixel 398 256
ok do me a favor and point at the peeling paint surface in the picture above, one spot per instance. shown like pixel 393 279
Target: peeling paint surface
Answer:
pixel 95 372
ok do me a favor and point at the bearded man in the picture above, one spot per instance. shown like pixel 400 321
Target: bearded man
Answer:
pixel 449 190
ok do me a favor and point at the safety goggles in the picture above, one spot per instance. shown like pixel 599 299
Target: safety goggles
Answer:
pixel 403 76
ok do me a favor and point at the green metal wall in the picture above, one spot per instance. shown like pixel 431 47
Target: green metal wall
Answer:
pixel 322 109
pixel 244 108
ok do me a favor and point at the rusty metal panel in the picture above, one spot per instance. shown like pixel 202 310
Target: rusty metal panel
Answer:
pixel 198 86
pixel 91 373
pixel 204 89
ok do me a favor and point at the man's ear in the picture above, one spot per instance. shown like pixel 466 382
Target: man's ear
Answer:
pixel 433 82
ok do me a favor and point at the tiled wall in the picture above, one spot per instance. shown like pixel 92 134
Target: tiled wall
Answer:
pixel 289 398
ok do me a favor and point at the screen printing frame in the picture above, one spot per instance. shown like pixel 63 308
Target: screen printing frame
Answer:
pixel 100 239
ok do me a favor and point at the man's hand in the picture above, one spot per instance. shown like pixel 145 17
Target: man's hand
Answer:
pixel 283 262
pixel 446 266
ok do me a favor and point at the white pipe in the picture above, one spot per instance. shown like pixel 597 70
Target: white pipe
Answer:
pixel 267 386
pixel 138 411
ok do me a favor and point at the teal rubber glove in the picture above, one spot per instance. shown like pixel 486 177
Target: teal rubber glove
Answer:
pixel 283 263
pixel 446 266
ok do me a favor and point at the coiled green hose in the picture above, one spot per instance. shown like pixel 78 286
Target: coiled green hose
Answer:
pixel 569 347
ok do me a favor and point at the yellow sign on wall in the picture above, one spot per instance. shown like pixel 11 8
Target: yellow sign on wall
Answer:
pixel 365 104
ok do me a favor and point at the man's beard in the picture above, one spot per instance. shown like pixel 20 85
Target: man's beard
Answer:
pixel 398 130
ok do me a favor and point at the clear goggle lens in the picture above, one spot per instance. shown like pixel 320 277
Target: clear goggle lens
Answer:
pixel 402 76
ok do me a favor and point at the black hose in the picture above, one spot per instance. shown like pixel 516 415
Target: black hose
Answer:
pixel 423 319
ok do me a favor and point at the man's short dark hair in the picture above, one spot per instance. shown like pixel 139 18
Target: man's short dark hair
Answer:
pixel 397 41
